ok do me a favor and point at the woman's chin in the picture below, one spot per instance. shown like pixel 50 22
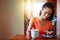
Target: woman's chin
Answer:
pixel 44 18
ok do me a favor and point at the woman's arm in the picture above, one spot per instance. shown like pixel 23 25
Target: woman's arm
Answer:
pixel 28 32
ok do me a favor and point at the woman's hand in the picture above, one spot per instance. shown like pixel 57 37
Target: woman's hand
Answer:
pixel 49 32
pixel 28 34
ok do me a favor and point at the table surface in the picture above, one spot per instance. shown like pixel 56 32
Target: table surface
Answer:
pixel 23 37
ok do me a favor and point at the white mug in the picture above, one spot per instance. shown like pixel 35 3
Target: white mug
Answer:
pixel 34 33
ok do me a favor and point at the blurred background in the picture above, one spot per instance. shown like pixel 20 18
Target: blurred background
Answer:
pixel 15 15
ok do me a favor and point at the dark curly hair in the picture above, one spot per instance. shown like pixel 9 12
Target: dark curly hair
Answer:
pixel 51 6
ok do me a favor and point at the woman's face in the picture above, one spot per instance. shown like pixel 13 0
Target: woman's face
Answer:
pixel 46 12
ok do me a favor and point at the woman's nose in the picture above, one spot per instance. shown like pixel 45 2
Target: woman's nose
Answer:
pixel 46 15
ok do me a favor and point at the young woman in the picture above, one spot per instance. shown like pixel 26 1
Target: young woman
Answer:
pixel 43 22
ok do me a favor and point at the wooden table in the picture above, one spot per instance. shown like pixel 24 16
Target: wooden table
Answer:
pixel 23 37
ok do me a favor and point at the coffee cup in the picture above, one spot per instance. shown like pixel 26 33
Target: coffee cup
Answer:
pixel 34 33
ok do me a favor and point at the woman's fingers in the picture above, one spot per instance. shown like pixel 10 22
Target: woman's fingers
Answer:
pixel 49 32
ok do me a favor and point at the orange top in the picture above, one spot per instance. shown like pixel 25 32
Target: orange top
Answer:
pixel 35 23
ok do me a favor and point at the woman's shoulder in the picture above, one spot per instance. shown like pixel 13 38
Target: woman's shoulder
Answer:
pixel 33 18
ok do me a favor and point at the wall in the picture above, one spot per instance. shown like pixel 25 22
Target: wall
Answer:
pixel 11 18
pixel 58 17
pixel 4 20
pixel 16 17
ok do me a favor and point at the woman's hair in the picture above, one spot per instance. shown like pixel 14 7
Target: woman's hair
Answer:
pixel 51 6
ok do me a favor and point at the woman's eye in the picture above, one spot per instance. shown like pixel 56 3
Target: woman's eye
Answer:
pixel 45 12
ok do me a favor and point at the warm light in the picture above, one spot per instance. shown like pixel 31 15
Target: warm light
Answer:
pixel 28 7
pixel 36 8
pixel 33 7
